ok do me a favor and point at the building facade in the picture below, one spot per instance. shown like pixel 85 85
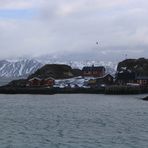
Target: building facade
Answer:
pixel 38 82
pixel 101 81
pixel 93 71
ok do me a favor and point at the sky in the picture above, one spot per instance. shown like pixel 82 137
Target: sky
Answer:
pixel 69 29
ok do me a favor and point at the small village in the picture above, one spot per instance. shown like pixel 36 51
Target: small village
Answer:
pixel 130 78
pixel 92 77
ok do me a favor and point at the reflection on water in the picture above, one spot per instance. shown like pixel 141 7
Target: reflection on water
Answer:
pixel 73 121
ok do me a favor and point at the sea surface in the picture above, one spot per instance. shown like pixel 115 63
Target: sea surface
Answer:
pixel 73 121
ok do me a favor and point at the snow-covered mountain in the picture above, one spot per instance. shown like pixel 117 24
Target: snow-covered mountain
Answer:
pixel 25 67
pixel 18 68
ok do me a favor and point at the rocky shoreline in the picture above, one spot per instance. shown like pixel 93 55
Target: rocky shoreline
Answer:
pixel 49 91
pixel 13 90
pixel 112 90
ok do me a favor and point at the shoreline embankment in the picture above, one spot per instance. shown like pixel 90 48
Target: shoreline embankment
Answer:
pixel 109 90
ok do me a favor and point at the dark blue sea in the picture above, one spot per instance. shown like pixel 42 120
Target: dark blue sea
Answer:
pixel 73 121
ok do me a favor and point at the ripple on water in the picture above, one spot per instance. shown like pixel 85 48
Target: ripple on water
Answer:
pixel 73 121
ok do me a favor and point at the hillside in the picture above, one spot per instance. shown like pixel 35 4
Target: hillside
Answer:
pixel 57 71
pixel 139 66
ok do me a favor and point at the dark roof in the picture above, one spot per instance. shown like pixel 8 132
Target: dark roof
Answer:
pixel 35 78
pixel 93 68
pixel 142 78
pixel 105 76
pixel 125 76
pixel 50 78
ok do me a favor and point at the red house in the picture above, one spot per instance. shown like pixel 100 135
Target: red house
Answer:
pixel 34 81
pixel 48 82
pixel 37 82
pixel 93 71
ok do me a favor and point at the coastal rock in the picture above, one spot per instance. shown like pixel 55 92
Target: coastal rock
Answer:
pixel 57 71
pixel 145 98
pixel 139 66
pixel 17 83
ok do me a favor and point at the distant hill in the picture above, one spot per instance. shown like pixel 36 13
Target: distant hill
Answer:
pixel 57 71
pixel 139 66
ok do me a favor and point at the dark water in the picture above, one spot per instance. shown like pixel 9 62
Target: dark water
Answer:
pixel 73 121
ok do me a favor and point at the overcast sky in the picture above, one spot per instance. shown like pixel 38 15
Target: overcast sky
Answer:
pixel 71 28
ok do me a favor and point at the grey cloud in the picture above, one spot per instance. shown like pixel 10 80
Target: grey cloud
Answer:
pixel 73 27
pixel 15 4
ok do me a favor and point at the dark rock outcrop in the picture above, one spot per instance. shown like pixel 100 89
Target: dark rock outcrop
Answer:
pixel 145 98
pixel 138 66
pixel 18 83
pixel 56 71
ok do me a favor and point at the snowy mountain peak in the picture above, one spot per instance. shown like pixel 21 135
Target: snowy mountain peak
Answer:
pixel 9 68
pixel 24 67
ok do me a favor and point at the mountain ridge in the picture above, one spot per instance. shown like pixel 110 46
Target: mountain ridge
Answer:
pixel 25 67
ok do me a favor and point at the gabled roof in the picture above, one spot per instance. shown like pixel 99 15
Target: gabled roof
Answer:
pixel 35 78
pixel 50 78
pixel 142 78
pixel 104 76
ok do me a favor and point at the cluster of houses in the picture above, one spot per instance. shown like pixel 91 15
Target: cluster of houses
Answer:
pixel 131 78
pixel 96 75
pixel 98 78
pixel 38 82
pixel 101 79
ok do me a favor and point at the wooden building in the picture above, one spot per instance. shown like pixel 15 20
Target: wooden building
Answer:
pixel 38 82
pixel 33 82
pixel 131 78
pixel 93 71
pixel 142 81
pixel 49 82
pixel 105 80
